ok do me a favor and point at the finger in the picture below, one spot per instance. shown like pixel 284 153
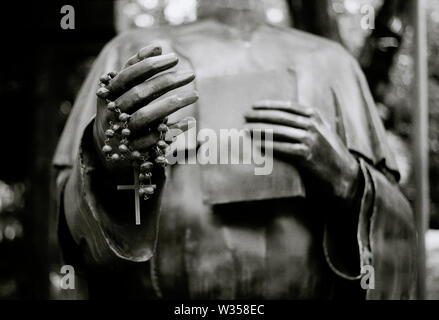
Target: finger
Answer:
pixel 279 132
pixel 146 141
pixel 150 139
pixel 287 149
pixel 137 73
pixel 278 117
pixel 105 79
pixel 160 109
pixel 287 106
pixel 149 51
pixel 184 124
pixel 172 148
pixel 150 90
pixel 177 128
pixel 101 103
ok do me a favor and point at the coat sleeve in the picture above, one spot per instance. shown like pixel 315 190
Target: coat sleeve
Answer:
pixel 382 220
pixel 390 236
pixel 386 240
pixel 99 218
pixel 94 218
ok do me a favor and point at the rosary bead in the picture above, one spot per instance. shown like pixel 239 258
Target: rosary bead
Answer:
pixel 115 127
pixel 126 132
pixel 136 155
pixel 103 92
pixel 144 176
pixel 149 190
pixel 123 148
pixel 161 160
pixel 146 191
pixel 107 148
pixel 162 128
pixel 142 191
pixel 124 117
pixel 162 144
pixel 109 133
pixel 111 106
pixel 105 78
pixel 146 166
pixel 115 157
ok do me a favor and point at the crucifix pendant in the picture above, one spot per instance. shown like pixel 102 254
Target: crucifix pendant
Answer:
pixel 136 188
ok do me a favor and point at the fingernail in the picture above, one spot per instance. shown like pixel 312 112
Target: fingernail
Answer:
pixel 165 59
pixel 154 49
pixel 105 78
pixel 157 50
pixel 185 75
pixel 102 92
pixel 188 98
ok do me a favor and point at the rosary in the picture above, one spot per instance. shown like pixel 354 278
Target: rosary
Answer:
pixel 142 162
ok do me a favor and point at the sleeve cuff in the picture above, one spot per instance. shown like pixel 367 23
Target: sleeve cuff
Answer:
pixel 105 220
pixel 339 250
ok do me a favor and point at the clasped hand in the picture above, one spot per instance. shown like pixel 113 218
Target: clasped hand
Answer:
pixel 302 136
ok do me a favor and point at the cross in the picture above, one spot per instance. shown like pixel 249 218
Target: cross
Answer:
pixel 136 188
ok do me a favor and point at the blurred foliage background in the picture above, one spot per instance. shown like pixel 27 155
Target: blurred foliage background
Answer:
pixel 46 66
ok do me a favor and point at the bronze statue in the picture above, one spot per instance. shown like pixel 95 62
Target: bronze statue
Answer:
pixel 330 209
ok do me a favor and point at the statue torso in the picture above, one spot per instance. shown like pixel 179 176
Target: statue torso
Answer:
pixel 262 249
pixel 265 249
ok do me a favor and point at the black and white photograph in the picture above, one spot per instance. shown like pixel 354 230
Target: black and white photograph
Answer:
pixel 231 151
